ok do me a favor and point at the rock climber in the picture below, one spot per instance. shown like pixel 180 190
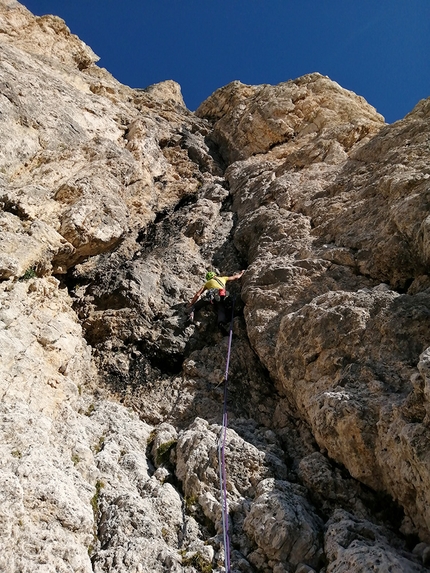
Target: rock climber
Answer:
pixel 216 295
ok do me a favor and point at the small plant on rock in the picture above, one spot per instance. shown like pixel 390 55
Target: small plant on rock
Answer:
pixel 30 273
pixel 100 445
pixel 163 452
pixel 190 503
pixel 197 561
pixel 90 410
pixel 95 499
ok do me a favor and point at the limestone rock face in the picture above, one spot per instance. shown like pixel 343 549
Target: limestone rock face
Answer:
pixel 84 168
pixel 350 280
pixel 249 120
pixel 282 524
pixel 114 202
pixel 42 345
pixel 353 544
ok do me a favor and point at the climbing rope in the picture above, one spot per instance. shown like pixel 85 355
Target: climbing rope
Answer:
pixel 221 455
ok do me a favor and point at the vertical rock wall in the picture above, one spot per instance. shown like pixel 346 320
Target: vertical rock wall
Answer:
pixel 114 203
pixel 337 251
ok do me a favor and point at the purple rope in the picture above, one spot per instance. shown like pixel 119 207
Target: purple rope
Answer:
pixel 221 456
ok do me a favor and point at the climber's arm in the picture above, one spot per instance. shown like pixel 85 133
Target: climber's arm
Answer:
pixel 197 295
pixel 236 276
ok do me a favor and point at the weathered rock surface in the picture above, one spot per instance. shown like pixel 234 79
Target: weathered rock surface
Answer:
pixel 353 544
pixel 311 117
pixel 336 298
pixel 113 204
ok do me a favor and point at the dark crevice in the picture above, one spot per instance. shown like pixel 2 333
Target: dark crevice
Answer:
pixel 115 300
pixel 215 153
pixel 150 235
pixel 185 201
pixel 160 359
pixel 226 206
pixel 279 143
pixel 403 289
pixel 11 207
pixel 385 509
pixel 163 143
pixel 71 282
pixel 147 235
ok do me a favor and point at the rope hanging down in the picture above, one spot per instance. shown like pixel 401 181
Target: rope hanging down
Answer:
pixel 221 456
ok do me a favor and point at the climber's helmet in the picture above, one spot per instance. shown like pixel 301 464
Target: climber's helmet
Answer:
pixel 210 275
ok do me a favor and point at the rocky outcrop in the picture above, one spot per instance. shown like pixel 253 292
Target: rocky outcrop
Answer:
pixel 311 117
pixel 336 297
pixel 114 203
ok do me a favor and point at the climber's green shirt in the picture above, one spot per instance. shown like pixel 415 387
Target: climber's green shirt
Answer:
pixel 213 283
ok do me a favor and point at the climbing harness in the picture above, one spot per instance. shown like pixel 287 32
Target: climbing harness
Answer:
pixel 217 293
pixel 221 291
pixel 221 456
pixel 212 295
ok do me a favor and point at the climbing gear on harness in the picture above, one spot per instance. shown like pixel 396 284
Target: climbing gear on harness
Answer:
pixel 212 294
pixel 221 291
pixel 209 275
pixel 221 456
pixel 216 294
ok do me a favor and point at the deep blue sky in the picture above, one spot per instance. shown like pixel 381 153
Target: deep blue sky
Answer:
pixel 379 49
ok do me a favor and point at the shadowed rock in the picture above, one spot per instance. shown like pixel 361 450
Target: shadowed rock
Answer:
pixel 114 202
